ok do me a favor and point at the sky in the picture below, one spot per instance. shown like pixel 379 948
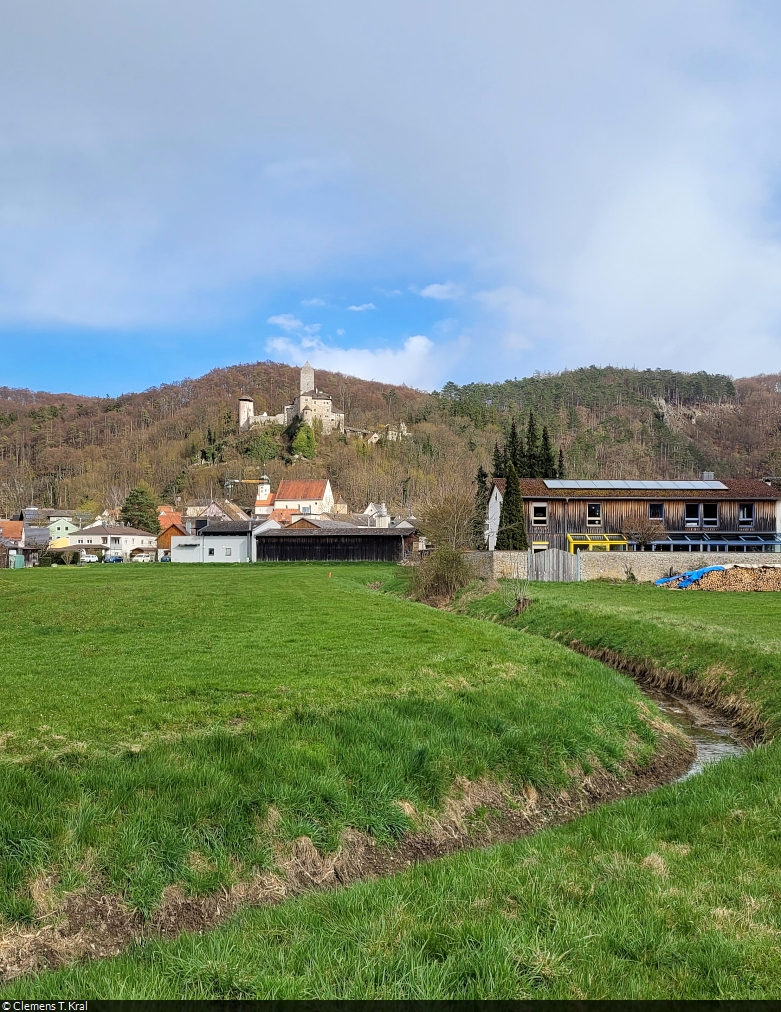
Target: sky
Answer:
pixel 412 192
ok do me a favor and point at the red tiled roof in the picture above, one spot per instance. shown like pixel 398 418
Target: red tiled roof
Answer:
pixel 737 488
pixel 12 529
pixel 169 519
pixel 268 501
pixel 312 488
pixel 282 516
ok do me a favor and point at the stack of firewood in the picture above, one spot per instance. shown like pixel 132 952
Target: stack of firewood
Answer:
pixel 743 576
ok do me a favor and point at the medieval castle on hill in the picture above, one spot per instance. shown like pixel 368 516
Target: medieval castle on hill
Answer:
pixel 310 404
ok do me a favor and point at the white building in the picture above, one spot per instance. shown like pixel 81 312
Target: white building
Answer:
pixel 114 542
pixel 494 512
pixel 310 406
pixel 220 542
pixel 307 497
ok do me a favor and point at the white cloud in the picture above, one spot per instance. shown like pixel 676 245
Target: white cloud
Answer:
pixel 286 321
pixel 362 308
pixel 418 362
pixel 290 323
pixel 607 179
pixel 447 291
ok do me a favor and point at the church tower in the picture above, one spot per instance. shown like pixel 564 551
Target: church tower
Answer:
pixel 307 379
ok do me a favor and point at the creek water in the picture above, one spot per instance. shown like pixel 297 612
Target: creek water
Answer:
pixel 713 737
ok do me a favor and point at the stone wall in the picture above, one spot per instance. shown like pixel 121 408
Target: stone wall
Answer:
pixel 648 566
pixel 498 565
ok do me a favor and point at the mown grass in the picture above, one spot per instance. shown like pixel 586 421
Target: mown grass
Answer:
pixel 676 894
pixel 153 714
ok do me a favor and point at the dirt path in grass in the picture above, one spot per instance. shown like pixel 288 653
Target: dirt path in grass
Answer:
pixel 90 925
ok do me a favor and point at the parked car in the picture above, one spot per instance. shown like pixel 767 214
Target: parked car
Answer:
pixel 113 558
pixel 89 558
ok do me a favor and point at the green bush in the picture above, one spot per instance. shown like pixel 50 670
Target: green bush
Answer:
pixel 442 574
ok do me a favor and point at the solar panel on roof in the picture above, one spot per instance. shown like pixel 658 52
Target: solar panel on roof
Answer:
pixel 618 484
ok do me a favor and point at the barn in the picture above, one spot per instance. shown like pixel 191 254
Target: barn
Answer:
pixel 334 543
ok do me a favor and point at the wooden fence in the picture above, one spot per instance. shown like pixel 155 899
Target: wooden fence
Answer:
pixel 553 565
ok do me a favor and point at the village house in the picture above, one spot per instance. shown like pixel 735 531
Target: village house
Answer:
pixel 164 538
pixel 113 542
pixel 220 541
pixel 311 405
pixel 300 497
pixel 21 544
pixel 574 515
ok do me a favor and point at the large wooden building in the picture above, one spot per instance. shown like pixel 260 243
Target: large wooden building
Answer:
pixel 336 542
pixel 589 515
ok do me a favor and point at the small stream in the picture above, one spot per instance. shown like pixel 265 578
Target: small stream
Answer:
pixel 713 737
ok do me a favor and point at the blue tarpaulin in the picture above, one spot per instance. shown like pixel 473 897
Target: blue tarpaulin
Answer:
pixel 687 579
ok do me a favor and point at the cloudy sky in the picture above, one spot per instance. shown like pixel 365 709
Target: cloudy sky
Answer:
pixel 410 192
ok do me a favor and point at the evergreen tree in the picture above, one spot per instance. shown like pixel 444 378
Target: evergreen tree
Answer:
pixel 482 496
pixel 561 470
pixel 514 449
pixel 533 468
pixel 305 443
pixel 499 462
pixel 547 460
pixel 139 509
pixel 512 524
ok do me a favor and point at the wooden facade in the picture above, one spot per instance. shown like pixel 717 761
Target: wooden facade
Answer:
pixel 329 546
pixel 742 515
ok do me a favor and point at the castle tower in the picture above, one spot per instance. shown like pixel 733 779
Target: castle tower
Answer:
pixel 246 413
pixel 307 378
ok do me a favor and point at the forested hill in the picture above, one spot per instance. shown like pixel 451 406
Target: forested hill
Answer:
pixel 181 438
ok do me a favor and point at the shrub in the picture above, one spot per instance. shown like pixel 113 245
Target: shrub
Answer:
pixel 442 574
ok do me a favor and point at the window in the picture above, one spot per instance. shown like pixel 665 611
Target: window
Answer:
pixel 104 540
pixel 656 511
pixel 227 551
pixel 692 514
pixel 746 514
pixel 81 541
pixel 115 541
pixel 594 514
pixel 211 551
pixel 306 509
pixel 710 514
pixel 539 514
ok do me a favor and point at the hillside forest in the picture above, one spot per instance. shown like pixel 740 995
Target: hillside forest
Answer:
pixel 182 438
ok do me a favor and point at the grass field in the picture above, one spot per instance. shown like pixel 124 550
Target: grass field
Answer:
pixel 731 641
pixel 153 714
pixel 676 894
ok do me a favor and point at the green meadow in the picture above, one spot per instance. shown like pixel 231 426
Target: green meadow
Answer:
pixel 153 714
pixel 675 894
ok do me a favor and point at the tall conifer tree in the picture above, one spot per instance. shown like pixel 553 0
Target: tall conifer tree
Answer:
pixel 547 460
pixel 561 470
pixel 512 524
pixel 514 449
pixel 533 469
pixel 482 495
pixel 499 462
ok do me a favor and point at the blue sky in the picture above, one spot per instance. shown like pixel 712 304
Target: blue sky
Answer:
pixel 412 192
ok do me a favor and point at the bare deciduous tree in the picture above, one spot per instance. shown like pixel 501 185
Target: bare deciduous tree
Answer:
pixel 643 531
